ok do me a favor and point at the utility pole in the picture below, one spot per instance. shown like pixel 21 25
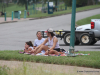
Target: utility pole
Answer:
pixel 72 38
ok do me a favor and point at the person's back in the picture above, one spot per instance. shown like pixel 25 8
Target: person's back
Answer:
pixel 50 42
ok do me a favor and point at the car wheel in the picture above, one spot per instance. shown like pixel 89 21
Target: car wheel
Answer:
pixel 67 39
pixel 85 39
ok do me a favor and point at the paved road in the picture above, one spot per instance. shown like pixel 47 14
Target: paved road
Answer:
pixel 14 35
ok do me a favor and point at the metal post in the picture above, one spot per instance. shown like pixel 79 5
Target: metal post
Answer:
pixel 18 15
pixel 48 6
pixel 12 14
pixel 66 7
pixel 5 16
pixel 25 14
pixel 30 10
pixel 72 38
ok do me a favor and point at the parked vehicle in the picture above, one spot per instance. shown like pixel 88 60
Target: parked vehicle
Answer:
pixel 83 27
pixel 87 34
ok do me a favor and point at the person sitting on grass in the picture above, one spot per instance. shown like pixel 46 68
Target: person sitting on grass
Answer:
pixel 52 40
pixel 39 41
pixel 28 47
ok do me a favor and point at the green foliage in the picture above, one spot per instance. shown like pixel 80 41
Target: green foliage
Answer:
pixel 87 20
pixel 15 7
pixel 68 2
pixel 4 70
pixel 80 3
pixel 91 60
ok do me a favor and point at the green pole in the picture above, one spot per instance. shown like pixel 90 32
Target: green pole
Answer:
pixel 66 7
pixel 5 16
pixel 12 14
pixel 72 38
pixel 25 14
pixel 30 9
pixel 18 15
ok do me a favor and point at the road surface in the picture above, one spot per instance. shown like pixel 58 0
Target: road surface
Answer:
pixel 14 35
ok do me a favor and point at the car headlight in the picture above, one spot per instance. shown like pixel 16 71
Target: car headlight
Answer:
pixel 79 28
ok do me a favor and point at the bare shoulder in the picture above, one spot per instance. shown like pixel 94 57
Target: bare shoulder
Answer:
pixel 55 38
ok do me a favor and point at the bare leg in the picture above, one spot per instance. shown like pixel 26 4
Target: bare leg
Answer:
pixel 52 52
pixel 43 47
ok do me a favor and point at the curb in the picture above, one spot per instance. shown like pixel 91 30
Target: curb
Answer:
pixel 8 22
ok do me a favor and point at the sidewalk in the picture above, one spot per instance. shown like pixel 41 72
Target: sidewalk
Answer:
pixel 8 20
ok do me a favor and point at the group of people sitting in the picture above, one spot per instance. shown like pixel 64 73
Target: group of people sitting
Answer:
pixel 47 46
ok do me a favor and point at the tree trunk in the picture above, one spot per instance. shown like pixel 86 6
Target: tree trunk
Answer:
pixel 93 2
pixel 56 4
pixel 7 2
pixel 26 6
pixel 88 2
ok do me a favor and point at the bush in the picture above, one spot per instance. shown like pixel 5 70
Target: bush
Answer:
pixel 80 3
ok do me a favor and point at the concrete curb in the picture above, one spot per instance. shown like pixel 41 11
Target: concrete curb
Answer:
pixel 8 22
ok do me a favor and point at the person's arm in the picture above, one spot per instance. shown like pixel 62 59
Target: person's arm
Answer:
pixel 35 44
pixel 29 49
pixel 34 47
pixel 25 50
pixel 55 40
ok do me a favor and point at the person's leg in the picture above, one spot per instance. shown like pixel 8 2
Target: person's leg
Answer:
pixel 52 52
pixel 43 47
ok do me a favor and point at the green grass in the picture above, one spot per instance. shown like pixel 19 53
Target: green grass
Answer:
pixel 63 12
pixel 92 60
pixel 87 20
pixel 15 7
pixel 26 69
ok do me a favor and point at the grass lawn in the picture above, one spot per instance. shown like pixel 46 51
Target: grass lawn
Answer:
pixel 87 20
pixel 92 60
pixel 15 7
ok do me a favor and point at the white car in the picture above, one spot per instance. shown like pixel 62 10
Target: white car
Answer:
pixel 83 27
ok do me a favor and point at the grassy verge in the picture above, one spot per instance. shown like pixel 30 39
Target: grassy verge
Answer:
pixel 92 60
pixel 14 7
pixel 40 15
pixel 26 69
pixel 87 20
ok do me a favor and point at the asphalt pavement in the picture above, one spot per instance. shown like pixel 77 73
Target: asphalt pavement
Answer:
pixel 14 35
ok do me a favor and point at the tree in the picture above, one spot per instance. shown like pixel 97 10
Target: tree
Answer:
pixel 7 1
pixel 80 3
pixel 24 2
